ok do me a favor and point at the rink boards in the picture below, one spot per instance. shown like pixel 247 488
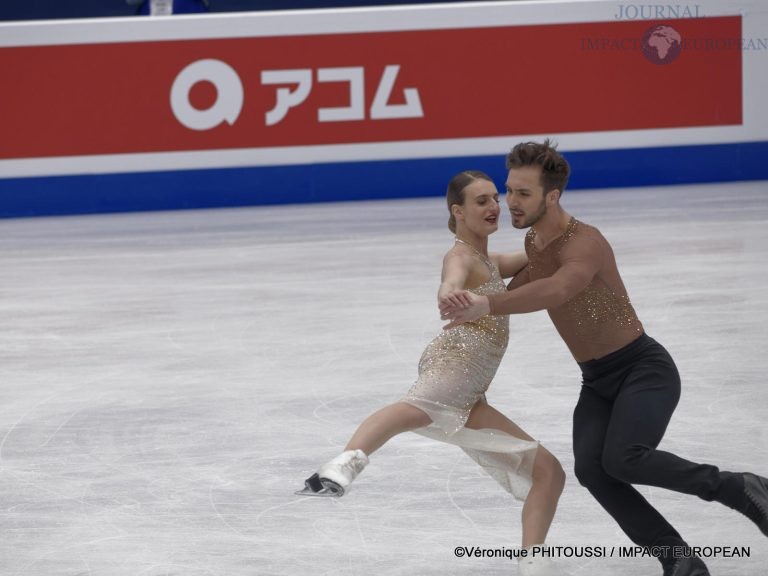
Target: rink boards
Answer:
pixel 308 106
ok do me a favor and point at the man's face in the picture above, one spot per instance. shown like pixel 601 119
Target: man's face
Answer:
pixel 525 196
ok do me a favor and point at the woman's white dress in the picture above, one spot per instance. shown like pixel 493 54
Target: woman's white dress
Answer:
pixel 455 371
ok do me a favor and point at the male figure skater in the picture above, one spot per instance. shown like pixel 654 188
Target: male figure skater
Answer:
pixel 630 383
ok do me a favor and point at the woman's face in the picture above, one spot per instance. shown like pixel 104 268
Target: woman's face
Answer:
pixel 480 212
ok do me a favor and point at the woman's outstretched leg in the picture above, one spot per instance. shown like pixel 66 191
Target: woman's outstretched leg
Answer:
pixel 548 475
pixel 334 477
pixel 383 424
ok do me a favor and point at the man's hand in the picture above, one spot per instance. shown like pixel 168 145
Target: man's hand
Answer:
pixel 462 306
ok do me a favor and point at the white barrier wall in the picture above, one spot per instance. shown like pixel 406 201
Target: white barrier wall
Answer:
pixel 216 110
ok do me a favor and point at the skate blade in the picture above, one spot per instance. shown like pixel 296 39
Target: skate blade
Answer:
pixel 316 486
pixel 324 493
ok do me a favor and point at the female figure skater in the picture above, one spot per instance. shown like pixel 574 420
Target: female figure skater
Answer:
pixel 447 402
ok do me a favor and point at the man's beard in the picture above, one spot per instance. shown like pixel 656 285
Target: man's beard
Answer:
pixel 533 218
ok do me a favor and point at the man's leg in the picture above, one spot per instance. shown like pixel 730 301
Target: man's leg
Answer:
pixel 641 412
pixel 641 522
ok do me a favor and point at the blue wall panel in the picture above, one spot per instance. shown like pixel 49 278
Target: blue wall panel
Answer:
pixel 363 180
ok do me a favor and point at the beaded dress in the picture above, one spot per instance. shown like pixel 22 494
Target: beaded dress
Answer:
pixel 455 371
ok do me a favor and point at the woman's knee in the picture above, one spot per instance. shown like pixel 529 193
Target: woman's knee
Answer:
pixel 548 471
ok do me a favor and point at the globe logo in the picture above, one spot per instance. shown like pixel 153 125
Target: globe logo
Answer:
pixel 661 44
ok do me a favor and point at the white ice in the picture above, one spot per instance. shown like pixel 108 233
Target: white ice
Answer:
pixel 168 380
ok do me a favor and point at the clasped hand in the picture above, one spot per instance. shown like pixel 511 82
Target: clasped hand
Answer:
pixel 460 306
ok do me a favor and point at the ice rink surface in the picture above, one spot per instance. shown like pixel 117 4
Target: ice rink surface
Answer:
pixel 169 379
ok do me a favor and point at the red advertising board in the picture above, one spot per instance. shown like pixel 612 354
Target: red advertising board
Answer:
pixel 262 92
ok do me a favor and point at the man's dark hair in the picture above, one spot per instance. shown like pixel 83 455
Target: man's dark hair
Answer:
pixel 554 168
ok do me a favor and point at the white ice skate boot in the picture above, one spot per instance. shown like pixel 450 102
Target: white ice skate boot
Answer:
pixel 334 477
pixel 538 565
